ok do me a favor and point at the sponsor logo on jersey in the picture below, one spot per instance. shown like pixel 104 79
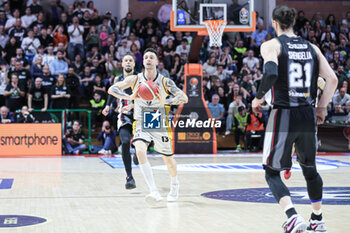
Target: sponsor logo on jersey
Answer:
pixel 152 120
pixel 299 195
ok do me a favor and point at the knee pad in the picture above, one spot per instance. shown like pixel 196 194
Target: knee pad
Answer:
pixel 314 182
pixel 277 187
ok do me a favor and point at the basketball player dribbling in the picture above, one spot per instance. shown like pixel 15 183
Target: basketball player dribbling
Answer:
pixel 292 67
pixel 168 94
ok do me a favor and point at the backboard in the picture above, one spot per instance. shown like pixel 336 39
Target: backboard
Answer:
pixel 189 15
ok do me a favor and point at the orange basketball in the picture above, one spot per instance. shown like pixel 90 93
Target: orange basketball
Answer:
pixel 148 90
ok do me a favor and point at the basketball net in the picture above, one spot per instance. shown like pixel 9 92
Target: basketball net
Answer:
pixel 215 30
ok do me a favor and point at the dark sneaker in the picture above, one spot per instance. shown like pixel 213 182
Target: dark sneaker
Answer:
pixel 130 183
pixel 134 158
pixel 316 226
pixel 295 224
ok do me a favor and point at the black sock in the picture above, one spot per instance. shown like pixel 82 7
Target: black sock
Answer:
pixel 316 217
pixel 290 212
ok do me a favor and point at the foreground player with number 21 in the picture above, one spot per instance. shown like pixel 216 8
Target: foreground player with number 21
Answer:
pixel 292 67
pixel 168 94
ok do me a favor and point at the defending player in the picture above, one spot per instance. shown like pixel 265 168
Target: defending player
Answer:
pixel 125 119
pixel 168 94
pixel 292 67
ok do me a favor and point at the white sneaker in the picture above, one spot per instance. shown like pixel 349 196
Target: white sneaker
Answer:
pixel 227 132
pixel 173 195
pixel 102 152
pixel 153 198
pixel 108 152
pixel 295 224
pixel 316 227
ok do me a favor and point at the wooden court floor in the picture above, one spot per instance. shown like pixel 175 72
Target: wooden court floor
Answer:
pixel 86 195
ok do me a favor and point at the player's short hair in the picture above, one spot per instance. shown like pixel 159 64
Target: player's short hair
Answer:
pixel 152 50
pixel 129 54
pixel 285 16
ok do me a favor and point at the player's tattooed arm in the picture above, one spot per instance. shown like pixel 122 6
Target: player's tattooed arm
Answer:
pixel 178 96
pixel 117 89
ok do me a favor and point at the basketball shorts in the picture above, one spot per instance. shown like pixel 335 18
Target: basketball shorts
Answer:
pixel 288 127
pixel 161 138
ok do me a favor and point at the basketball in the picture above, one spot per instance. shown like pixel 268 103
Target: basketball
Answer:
pixel 148 90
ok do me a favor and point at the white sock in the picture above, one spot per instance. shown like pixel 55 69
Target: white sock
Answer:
pixel 147 173
pixel 288 207
pixel 174 180
pixel 317 212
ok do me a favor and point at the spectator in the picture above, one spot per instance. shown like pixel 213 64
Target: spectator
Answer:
pixel 341 76
pixel 164 14
pixel 123 50
pixel 28 18
pixel 86 22
pixel 17 30
pixel 36 68
pixel 59 36
pixel 15 93
pixel 99 87
pixel 210 66
pixel 3 18
pixel 60 94
pixel 24 116
pixel 177 67
pixel 166 37
pixel 40 22
pixel 107 136
pixel 305 30
pixel 10 48
pixel 3 83
pixel 6 116
pixel 240 123
pixel 73 83
pixel 86 81
pixel 257 37
pixel 3 38
pixel 216 109
pixel 50 56
pixel 184 48
pixel 138 57
pixel 53 13
pixel 13 21
pixel 30 44
pixel 134 40
pixel 48 80
pixel 37 96
pixel 123 30
pixel 35 8
pixel 74 139
pixel 232 111
pixel 106 24
pixel 300 21
pixel 346 21
pixel 251 61
pixel 162 70
pixel 22 74
pixel 77 64
pixel 20 56
pixel 169 53
pixel 58 66
pixel 76 42
pixel 340 100
pixel 255 128
pixel 97 105
pixel 92 39
pixel 103 38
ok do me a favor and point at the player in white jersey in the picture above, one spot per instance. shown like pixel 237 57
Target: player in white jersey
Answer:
pixel 168 94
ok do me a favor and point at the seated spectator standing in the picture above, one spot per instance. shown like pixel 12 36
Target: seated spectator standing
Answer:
pixel 73 83
pixel 37 96
pixel 107 136
pixel 74 139
pixel 23 76
pixel 258 36
pixel 24 116
pixel 15 93
pixel 97 105
pixel 340 100
pixel 6 116
pixel 59 65
pixel 30 44
pixel 240 123
pixel 76 42
pixel 255 129
pixel 48 79
pixel 60 94
pixel 36 69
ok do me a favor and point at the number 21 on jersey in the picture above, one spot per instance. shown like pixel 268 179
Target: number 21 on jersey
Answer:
pixel 296 73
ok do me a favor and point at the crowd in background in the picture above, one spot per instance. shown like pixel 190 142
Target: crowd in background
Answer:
pixel 59 57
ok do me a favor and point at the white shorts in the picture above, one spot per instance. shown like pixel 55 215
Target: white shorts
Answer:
pixel 162 139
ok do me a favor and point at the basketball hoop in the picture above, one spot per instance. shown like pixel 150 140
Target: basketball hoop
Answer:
pixel 215 30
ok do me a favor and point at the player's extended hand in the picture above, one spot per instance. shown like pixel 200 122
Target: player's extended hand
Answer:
pixel 321 114
pixel 159 97
pixel 105 111
pixel 256 105
pixel 126 109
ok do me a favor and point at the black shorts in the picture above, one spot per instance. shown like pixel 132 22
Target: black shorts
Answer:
pixel 287 127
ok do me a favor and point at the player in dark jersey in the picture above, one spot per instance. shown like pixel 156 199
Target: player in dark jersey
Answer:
pixel 292 67
pixel 125 120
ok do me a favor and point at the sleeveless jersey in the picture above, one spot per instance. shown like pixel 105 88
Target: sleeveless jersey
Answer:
pixel 141 105
pixel 298 69
pixel 125 118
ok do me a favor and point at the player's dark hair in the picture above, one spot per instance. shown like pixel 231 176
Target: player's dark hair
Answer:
pixel 285 16
pixel 129 54
pixel 152 50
